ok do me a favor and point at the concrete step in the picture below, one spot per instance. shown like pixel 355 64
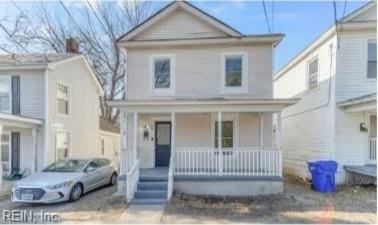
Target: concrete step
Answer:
pixel 153 185
pixel 153 178
pixel 150 194
pixel 149 201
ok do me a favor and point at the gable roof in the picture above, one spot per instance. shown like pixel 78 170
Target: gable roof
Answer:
pixel 330 32
pixel 188 8
pixel 43 61
pixel 33 59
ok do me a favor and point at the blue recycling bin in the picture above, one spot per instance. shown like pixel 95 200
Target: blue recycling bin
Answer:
pixel 323 175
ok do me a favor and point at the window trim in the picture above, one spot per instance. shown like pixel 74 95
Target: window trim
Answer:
pixel 68 85
pixel 102 145
pixel 368 41
pixel 172 65
pixel 9 77
pixel 226 118
pixel 316 57
pixel 244 83
pixel 56 142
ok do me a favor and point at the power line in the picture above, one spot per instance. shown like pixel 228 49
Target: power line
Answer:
pixel 266 16
pixel 273 16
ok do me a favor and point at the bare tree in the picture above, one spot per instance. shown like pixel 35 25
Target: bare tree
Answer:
pixel 44 27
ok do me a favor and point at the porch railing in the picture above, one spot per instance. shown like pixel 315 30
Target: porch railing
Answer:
pixel 170 179
pixel 243 161
pixel 373 148
pixel 132 179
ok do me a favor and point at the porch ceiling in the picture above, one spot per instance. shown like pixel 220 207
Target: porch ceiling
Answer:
pixel 204 105
pixel 7 119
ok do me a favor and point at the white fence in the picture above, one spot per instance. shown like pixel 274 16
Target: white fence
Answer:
pixel 132 181
pixel 245 161
pixel 373 148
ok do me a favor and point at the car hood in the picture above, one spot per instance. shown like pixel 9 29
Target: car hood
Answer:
pixel 47 178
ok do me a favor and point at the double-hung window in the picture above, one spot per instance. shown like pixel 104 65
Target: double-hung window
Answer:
pixel 5 94
pixel 313 74
pixel 162 74
pixel 227 134
pixel 63 99
pixel 62 145
pixel 234 73
pixel 372 60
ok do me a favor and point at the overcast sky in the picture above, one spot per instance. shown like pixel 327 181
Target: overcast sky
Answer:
pixel 301 21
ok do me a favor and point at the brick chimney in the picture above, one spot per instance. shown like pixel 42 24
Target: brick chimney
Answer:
pixel 72 46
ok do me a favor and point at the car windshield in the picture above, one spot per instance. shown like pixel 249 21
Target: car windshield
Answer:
pixel 66 166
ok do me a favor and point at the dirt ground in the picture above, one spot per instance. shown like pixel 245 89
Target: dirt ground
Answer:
pixel 298 204
pixel 94 207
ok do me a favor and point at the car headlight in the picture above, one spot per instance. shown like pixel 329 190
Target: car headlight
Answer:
pixel 61 185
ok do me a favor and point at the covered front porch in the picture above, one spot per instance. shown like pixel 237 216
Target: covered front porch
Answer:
pixel 184 137
pixel 18 138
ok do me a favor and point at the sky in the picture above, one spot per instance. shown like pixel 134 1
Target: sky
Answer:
pixel 301 21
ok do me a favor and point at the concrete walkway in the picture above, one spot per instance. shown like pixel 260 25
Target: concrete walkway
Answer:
pixel 142 214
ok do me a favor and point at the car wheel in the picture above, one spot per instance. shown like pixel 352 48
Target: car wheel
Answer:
pixel 113 179
pixel 76 192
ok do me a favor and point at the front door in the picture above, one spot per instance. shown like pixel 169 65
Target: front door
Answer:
pixel 162 143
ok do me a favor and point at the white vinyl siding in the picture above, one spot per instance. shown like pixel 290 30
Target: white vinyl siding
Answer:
pixel 198 71
pixel 5 94
pixel 180 24
pixel 6 152
pixel 372 60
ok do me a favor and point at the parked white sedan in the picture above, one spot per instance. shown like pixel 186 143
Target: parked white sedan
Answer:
pixel 64 180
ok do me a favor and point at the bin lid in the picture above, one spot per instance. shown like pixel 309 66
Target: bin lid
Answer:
pixel 327 164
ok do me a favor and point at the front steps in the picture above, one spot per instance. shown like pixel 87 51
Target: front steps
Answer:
pixel 151 190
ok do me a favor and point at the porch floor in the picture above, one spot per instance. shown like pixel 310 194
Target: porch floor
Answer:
pixel 157 172
pixel 367 170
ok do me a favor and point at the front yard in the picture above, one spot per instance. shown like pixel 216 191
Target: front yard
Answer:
pixel 298 204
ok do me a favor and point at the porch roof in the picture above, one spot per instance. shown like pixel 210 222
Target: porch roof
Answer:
pixel 205 105
pixel 7 119
pixel 361 103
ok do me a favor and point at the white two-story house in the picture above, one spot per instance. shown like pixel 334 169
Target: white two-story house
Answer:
pixel 49 110
pixel 199 107
pixel 336 79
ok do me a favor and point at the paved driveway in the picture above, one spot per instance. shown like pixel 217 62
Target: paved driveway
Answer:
pixel 97 206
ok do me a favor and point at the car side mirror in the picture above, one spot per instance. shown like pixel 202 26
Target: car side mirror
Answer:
pixel 90 169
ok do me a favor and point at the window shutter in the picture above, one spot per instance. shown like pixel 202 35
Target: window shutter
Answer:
pixel 15 151
pixel 16 95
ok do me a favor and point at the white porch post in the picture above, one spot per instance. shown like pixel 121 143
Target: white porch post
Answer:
pixel 123 144
pixel 173 135
pixel 1 165
pixel 135 136
pixel 220 153
pixel 261 117
pixel 34 137
pixel 279 139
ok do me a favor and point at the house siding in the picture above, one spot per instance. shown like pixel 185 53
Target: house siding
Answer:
pixel 83 120
pixel 308 126
pixel 198 71
pixel 178 25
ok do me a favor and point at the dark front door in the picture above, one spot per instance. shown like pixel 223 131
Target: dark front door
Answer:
pixel 162 143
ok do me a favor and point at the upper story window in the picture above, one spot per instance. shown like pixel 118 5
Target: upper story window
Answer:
pixel 313 73
pixel 162 74
pixel 5 93
pixel 372 60
pixel 234 73
pixel 63 99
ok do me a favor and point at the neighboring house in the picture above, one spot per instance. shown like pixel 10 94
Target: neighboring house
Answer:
pixel 186 71
pixel 49 110
pixel 109 141
pixel 336 79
